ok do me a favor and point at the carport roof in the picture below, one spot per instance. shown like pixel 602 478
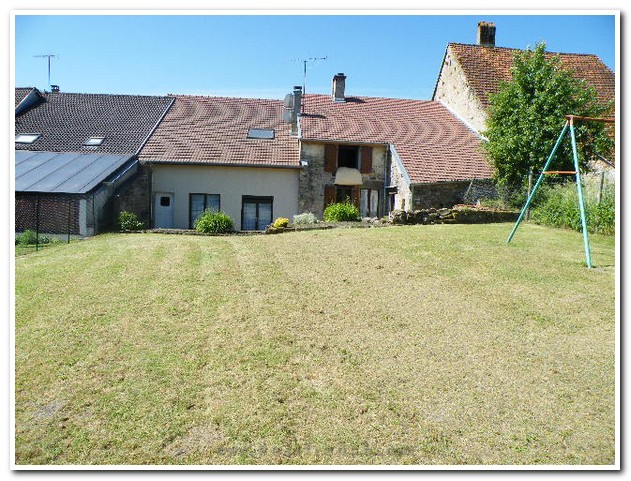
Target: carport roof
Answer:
pixel 64 172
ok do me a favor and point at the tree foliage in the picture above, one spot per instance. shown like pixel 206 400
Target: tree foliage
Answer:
pixel 527 114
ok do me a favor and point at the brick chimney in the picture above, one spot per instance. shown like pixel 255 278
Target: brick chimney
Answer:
pixel 339 84
pixel 486 34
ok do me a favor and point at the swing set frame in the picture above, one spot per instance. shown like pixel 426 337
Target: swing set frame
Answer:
pixel 569 124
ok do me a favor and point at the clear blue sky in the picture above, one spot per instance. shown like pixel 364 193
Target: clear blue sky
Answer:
pixel 255 55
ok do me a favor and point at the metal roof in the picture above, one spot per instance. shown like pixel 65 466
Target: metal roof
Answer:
pixel 63 172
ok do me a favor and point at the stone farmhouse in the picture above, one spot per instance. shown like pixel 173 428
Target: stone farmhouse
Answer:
pixel 169 158
pixel 470 73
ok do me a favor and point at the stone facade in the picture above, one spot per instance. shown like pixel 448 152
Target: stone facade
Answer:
pixel 453 90
pixel 403 196
pixel 314 178
pixel 135 195
pixel 441 194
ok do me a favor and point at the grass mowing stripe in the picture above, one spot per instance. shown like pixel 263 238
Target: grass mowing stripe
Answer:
pixel 406 345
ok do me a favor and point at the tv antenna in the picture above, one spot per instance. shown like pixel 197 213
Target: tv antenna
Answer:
pixel 304 69
pixel 48 56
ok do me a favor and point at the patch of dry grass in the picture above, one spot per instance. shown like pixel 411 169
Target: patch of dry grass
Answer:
pixel 410 345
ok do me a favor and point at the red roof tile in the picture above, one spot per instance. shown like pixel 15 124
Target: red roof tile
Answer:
pixel 213 130
pixel 485 67
pixel 433 145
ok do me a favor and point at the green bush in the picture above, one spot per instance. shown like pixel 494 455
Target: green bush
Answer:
pixel 341 212
pixel 28 237
pixel 558 206
pixel 280 223
pixel 213 222
pixel 305 218
pixel 129 221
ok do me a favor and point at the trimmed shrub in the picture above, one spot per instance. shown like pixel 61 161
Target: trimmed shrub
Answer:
pixel 305 218
pixel 213 222
pixel 280 223
pixel 341 212
pixel 129 221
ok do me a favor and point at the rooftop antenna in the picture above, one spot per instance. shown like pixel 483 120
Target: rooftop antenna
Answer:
pixel 49 56
pixel 304 69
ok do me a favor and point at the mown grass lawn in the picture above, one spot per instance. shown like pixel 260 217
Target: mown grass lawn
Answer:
pixel 425 345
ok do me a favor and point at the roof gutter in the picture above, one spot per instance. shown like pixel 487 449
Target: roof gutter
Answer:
pixel 221 164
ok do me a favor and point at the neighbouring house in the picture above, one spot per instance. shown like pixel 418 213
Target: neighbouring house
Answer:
pixel 470 73
pixel 383 153
pixel 76 156
pixel 235 155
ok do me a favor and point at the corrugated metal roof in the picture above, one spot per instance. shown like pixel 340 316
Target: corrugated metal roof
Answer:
pixel 68 173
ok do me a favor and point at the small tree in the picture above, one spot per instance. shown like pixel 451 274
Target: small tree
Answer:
pixel 527 114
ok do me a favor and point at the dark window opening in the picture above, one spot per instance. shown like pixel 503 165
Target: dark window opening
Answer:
pixel 198 203
pixel 165 201
pixel 348 156
pixel 344 193
pixel 256 212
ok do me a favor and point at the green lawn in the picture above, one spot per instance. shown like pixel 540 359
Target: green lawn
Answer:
pixel 431 345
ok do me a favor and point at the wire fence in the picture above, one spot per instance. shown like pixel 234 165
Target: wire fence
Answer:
pixel 43 219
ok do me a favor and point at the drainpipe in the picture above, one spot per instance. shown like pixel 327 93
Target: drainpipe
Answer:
pixel 386 163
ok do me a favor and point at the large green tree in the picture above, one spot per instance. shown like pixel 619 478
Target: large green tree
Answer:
pixel 527 114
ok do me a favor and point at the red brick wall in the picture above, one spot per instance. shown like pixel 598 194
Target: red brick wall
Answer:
pixel 58 214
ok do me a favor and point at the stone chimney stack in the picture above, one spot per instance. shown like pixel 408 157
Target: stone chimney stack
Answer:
pixel 486 34
pixel 339 84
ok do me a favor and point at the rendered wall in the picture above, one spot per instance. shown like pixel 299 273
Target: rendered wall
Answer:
pixel 231 183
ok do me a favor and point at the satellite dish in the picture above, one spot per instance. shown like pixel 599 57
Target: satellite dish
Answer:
pixel 289 101
pixel 289 116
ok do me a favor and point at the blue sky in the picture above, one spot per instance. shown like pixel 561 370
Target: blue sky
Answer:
pixel 260 55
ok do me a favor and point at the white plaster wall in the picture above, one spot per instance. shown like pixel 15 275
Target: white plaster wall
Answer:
pixel 453 89
pixel 231 183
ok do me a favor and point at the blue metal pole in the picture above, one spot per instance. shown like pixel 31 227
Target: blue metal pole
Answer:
pixel 534 190
pixel 579 187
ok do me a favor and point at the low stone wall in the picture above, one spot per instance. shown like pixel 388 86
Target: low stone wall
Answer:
pixel 458 214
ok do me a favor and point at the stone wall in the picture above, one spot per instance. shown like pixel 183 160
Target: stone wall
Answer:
pixel 454 91
pixel 135 195
pixel 313 177
pixel 443 194
pixel 403 197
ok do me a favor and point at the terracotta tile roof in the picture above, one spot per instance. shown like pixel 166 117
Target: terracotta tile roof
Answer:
pixel 214 130
pixel 485 67
pixel 432 144
pixel 67 120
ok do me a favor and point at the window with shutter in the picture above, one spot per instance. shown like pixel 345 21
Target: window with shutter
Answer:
pixel 365 166
pixel 330 158
pixel 329 195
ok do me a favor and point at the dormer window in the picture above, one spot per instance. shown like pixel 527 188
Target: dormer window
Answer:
pixel 261 134
pixel 94 141
pixel 26 138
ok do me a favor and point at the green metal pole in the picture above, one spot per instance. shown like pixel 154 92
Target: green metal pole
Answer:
pixel 579 187
pixel 534 190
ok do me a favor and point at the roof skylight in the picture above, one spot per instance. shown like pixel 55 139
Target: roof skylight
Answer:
pixel 261 134
pixel 26 138
pixel 94 141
